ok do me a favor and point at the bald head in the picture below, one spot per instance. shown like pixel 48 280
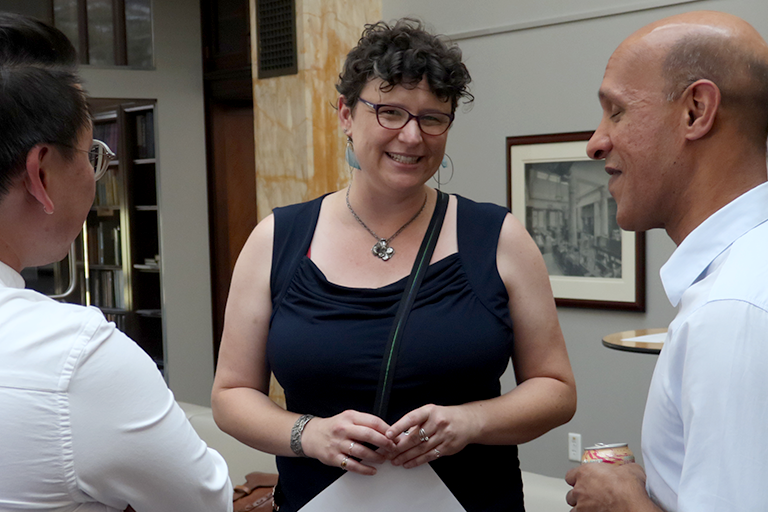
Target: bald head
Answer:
pixel 714 46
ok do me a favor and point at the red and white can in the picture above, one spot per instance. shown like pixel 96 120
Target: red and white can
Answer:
pixel 618 454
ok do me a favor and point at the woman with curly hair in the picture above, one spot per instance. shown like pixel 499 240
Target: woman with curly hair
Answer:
pixel 313 302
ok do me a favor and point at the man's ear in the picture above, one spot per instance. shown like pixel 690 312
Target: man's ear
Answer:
pixel 36 178
pixel 702 101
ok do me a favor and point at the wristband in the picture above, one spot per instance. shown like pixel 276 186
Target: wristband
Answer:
pixel 296 432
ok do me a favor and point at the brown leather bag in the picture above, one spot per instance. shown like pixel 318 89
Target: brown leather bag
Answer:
pixel 256 494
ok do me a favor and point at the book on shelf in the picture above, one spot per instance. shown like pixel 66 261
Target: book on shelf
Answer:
pixel 107 289
pixel 95 286
pixel 107 282
pixel 106 132
pixel 100 252
pixel 93 246
pixel 119 289
pixel 108 189
pixel 145 135
pixel 117 248
pixel 104 244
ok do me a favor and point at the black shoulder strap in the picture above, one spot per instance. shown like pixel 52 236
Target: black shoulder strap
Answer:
pixel 406 303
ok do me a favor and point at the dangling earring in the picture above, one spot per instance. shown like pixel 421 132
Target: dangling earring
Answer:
pixel 350 155
pixel 444 164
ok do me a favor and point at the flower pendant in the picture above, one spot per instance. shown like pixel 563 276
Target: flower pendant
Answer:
pixel 383 250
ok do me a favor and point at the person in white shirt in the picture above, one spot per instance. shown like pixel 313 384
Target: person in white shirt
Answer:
pixel 87 422
pixel 683 136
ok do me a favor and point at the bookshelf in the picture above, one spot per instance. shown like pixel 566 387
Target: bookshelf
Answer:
pixel 100 249
pixel 145 320
pixel 118 253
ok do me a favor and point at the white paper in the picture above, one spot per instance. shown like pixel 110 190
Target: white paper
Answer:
pixel 649 338
pixel 392 488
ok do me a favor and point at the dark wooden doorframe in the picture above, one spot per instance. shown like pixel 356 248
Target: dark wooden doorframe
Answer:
pixel 230 142
pixel 231 197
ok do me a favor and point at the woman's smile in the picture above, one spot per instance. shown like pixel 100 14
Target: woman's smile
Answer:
pixel 403 159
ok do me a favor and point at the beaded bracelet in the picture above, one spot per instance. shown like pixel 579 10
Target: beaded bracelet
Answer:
pixel 296 432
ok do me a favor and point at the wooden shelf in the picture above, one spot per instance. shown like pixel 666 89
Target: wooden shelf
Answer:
pixel 146 268
pixel 132 184
pixel 114 311
pixel 109 209
pixel 150 313
pixel 139 108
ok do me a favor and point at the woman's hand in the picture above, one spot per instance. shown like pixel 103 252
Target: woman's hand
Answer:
pixel 431 432
pixel 339 441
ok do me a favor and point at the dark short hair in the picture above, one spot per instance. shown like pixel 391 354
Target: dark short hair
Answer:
pixel 41 100
pixel 741 76
pixel 403 54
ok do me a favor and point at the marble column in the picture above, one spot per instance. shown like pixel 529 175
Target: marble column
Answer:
pixel 299 145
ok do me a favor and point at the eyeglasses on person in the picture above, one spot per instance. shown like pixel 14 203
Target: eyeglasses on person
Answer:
pixel 395 118
pixel 100 156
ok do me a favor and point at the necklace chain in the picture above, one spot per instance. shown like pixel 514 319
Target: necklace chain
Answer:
pixel 382 248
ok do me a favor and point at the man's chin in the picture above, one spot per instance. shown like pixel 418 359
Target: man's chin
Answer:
pixel 627 221
pixel 633 223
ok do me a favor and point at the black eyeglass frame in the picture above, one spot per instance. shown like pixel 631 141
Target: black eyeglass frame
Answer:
pixel 418 118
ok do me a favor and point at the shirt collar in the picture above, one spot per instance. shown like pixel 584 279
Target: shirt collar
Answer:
pixel 9 277
pixel 711 238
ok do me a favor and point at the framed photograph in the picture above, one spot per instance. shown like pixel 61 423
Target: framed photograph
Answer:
pixel 562 198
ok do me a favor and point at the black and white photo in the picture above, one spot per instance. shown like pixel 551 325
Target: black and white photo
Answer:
pixel 562 198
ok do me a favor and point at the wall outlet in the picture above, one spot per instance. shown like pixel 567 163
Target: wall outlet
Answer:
pixel 574 447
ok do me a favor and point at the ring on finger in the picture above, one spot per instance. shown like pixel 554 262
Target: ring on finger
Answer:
pixel 437 453
pixel 423 435
pixel 350 448
pixel 344 463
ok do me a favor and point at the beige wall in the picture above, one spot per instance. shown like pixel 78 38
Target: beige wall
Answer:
pixel 299 146
pixel 536 68
pixel 177 85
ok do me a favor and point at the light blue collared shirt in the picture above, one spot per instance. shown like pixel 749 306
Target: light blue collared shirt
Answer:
pixel 705 429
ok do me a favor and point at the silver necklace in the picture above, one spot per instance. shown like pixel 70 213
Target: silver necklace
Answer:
pixel 382 248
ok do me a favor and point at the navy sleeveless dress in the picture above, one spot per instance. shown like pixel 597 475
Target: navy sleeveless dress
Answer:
pixel 326 344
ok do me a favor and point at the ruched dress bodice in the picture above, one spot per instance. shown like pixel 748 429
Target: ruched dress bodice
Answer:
pixel 326 344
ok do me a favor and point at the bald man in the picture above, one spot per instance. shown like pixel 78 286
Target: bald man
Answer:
pixel 683 136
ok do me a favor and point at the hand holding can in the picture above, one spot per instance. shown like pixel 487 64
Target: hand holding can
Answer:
pixel 618 453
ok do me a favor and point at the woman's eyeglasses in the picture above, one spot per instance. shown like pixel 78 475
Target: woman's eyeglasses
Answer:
pixel 394 118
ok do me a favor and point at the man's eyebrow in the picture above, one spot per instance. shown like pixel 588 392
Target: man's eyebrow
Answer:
pixel 606 96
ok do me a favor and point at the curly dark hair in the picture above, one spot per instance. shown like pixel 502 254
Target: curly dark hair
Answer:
pixel 403 54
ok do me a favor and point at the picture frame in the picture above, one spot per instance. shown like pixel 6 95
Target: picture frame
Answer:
pixel 561 196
